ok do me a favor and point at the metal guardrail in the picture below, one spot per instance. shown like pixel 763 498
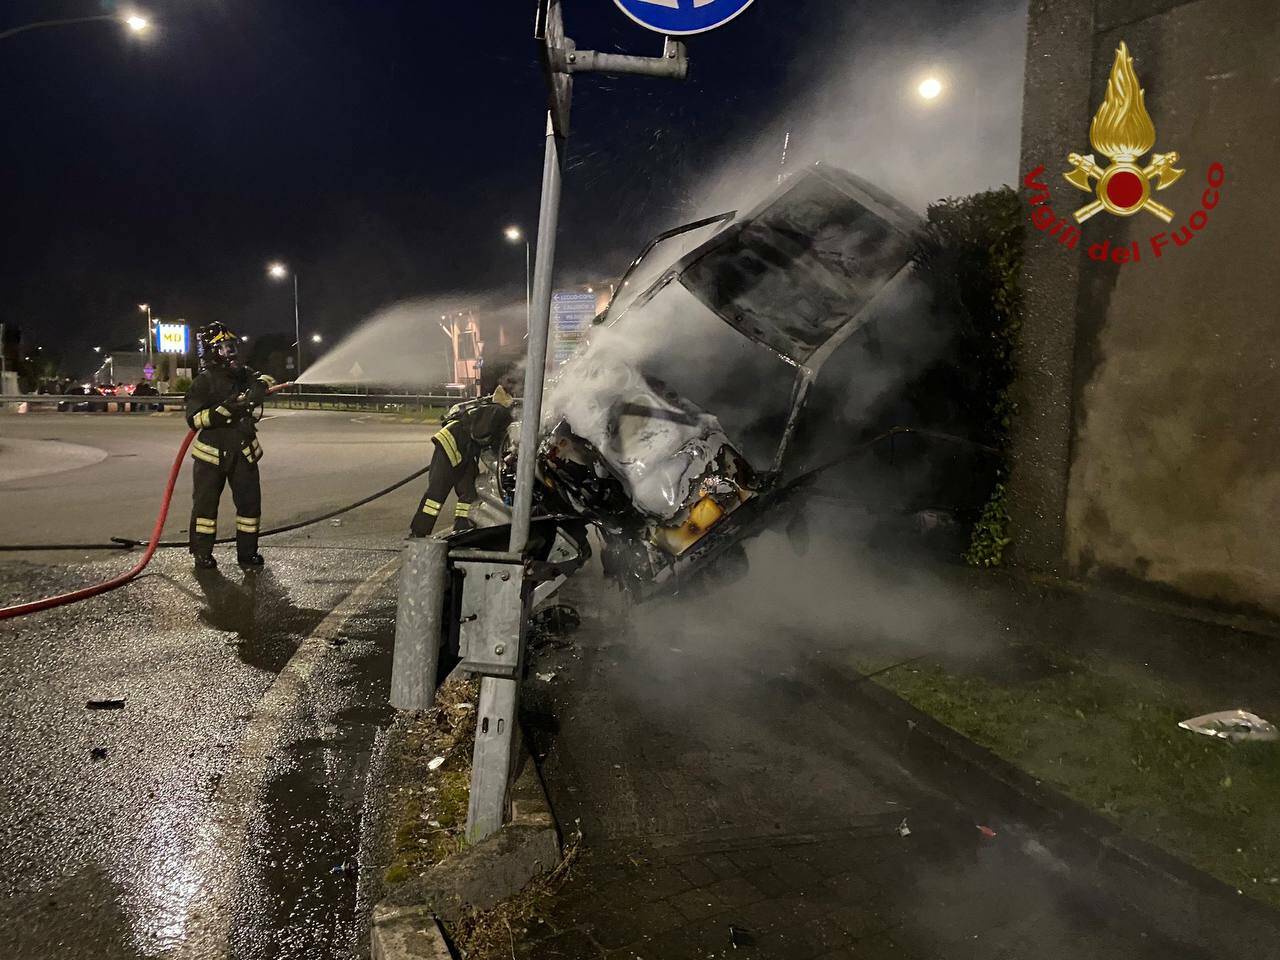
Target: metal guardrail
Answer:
pixel 391 402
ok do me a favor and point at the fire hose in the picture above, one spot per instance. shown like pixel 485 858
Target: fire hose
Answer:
pixel 154 542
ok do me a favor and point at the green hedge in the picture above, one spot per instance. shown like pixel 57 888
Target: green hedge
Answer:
pixel 970 252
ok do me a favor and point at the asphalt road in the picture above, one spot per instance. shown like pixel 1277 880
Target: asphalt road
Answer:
pixel 313 461
pixel 217 813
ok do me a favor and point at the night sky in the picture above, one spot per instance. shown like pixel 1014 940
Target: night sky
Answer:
pixel 377 146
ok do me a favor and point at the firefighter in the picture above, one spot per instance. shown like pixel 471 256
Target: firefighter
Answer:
pixel 468 429
pixel 221 404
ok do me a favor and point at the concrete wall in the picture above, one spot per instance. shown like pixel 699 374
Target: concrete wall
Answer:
pixel 1148 445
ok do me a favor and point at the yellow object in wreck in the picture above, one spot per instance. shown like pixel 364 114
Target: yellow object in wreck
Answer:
pixel 704 514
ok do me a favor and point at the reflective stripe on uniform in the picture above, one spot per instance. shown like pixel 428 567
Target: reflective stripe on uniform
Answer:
pixel 201 420
pixel 431 507
pixel 266 378
pixel 462 510
pixel 205 452
pixel 449 445
pixel 206 525
pixel 222 410
pixel 247 524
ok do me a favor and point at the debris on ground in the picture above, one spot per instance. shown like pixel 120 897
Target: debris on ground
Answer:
pixel 490 934
pixel 98 753
pixel 344 869
pixel 903 829
pixel 557 620
pixel 986 832
pixel 111 704
pixel 547 677
pixel 738 937
pixel 428 823
pixel 1234 725
pixel 335 522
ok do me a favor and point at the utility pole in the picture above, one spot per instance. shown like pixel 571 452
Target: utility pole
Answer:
pixel 493 760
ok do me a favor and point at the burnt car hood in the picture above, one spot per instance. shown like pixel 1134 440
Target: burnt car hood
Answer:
pixel 798 269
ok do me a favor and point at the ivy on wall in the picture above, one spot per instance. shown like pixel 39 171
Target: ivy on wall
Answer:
pixel 970 253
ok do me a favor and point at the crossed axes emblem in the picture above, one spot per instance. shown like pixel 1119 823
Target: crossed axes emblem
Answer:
pixel 1161 168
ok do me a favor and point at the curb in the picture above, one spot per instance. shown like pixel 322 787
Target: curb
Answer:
pixel 1180 901
pixel 406 922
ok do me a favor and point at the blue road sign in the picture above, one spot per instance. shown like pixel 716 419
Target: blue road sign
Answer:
pixel 682 16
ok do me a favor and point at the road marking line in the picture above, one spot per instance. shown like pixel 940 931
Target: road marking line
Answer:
pixel 211 914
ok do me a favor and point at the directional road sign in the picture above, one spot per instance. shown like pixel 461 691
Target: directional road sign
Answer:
pixel 682 16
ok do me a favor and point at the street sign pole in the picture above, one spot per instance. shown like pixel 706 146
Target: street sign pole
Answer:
pixel 494 756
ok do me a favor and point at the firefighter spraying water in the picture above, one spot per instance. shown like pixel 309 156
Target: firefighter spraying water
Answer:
pixel 224 404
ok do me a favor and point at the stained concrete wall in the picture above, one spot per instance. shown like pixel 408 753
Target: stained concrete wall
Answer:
pixel 1148 443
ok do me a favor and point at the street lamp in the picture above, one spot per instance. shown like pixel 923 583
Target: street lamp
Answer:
pixel 135 22
pixel 315 338
pixel 514 235
pixel 278 271
pixel 929 88
pixel 97 349
pixel 146 307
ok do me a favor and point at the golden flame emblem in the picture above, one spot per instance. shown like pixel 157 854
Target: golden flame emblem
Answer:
pixel 1122 131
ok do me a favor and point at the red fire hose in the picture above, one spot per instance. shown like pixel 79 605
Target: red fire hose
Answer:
pixel 22 609
pixel 84 593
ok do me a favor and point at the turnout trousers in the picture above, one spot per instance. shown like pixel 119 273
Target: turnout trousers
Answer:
pixel 208 480
pixel 443 477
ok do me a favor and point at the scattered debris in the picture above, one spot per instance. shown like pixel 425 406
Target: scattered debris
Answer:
pixel 903 829
pixel 546 677
pixel 1234 725
pixel 98 753
pixel 739 937
pixel 436 763
pixel 335 522
pixel 986 832
pixel 111 704
pixel 344 869
pixel 557 620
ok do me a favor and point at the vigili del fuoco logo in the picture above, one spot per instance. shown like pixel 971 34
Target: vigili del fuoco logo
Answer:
pixel 1123 132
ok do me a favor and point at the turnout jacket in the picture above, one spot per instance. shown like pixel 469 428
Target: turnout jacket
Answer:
pixel 471 427
pixel 220 405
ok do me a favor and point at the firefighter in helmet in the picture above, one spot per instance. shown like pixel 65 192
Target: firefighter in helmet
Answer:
pixel 468 429
pixel 221 404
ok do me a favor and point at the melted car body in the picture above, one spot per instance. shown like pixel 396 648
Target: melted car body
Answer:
pixel 673 429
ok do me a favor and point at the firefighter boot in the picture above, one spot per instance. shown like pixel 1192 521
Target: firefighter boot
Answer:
pixel 462 518
pixel 247 542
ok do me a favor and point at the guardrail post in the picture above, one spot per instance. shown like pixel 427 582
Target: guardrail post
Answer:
pixel 419 612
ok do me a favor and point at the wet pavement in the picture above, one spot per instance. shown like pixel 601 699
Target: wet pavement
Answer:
pixel 739 797
pixel 217 812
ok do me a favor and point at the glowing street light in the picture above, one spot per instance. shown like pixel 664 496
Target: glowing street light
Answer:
pixel 245 338
pixel 278 271
pixel 97 349
pixel 930 88
pixel 136 23
pixel 514 235
pixel 315 338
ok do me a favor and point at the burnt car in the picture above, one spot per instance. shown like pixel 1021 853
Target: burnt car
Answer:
pixel 687 416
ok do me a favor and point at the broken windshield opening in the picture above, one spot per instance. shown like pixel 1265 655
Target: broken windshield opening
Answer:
pixel 794 272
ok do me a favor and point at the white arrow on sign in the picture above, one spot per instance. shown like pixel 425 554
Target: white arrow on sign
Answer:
pixel 675 4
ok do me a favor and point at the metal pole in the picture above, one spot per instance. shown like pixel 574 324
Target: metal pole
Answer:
pixel 528 288
pixel 297 326
pixel 499 704
pixel 539 320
